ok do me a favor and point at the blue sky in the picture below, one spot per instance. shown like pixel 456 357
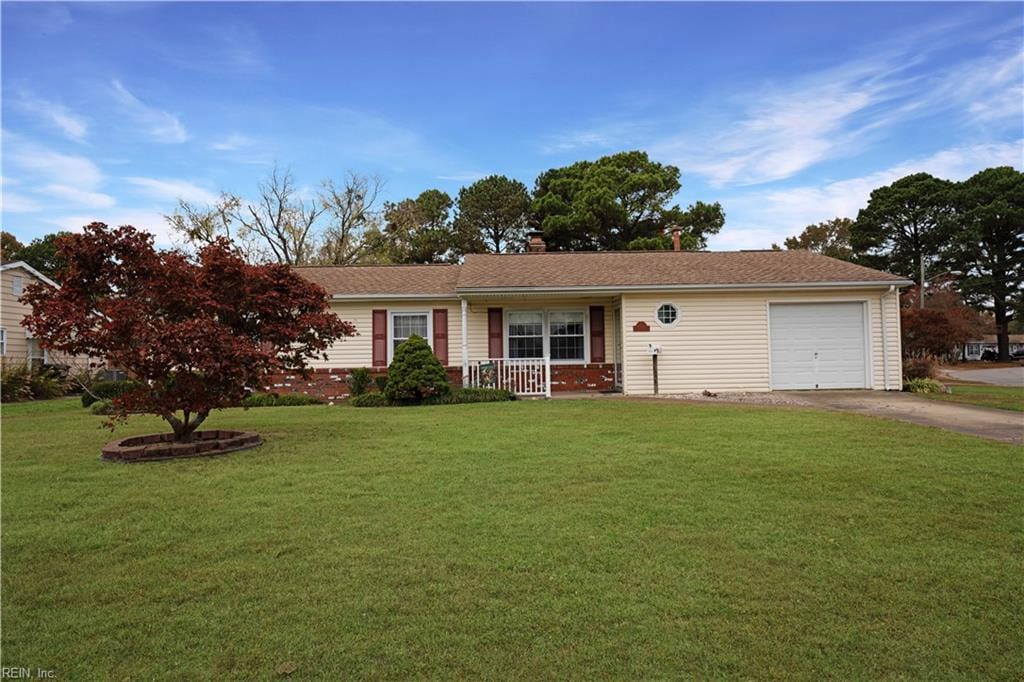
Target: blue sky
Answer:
pixel 786 113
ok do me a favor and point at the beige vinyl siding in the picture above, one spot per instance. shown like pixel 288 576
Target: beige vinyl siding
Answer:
pixel 478 319
pixel 12 312
pixel 11 315
pixel 721 342
pixel 357 351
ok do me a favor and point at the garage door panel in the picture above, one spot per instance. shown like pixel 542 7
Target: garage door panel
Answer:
pixel 817 345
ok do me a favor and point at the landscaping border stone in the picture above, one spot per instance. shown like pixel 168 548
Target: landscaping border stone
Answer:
pixel 161 446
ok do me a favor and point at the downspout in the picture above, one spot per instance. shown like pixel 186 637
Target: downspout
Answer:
pixel 465 343
pixel 885 343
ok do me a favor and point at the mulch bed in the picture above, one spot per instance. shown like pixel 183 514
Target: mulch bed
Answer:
pixel 161 446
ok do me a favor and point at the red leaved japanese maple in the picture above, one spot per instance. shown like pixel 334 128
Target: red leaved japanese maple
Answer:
pixel 195 331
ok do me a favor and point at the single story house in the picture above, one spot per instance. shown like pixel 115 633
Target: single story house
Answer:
pixel 639 322
pixel 17 347
pixel 976 348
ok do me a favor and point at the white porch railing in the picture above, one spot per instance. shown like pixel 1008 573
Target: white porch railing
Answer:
pixel 522 376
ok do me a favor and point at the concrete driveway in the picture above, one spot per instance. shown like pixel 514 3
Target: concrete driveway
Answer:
pixel 1000 376
pixel 1001 425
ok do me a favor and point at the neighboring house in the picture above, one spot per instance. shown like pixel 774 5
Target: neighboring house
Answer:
pixel 540 322
pixel 973 350
pixel 17 347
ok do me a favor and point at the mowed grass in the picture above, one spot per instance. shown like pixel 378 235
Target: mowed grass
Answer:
pixel 985 395
pixel 560 539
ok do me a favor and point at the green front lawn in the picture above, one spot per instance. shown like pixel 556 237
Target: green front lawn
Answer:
pixel 985 395
pixel 583 539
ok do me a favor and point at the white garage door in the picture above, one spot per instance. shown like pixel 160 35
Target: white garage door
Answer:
pixel 817 345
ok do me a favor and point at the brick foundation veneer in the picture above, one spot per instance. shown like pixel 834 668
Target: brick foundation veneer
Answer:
pixel 332 384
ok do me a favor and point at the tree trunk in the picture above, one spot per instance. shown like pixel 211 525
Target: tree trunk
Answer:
pixel 184 428
pixel 1002 329
pixel 920 285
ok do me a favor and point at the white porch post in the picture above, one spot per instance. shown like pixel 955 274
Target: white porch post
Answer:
pixel 465 343
pixel 547 376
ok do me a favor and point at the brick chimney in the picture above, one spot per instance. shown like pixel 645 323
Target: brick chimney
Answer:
pixel 677 233
pixel 535 243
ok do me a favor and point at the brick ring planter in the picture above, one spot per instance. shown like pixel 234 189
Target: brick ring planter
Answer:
pixel 162 446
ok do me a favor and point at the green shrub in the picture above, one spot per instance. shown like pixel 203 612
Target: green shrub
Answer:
pixel 415 373
pixel 381 382
pixel 458 396
pixel 918 368
pixel 359 381
pixel 924 386
pixel 455 396
pixel 21 383
pixel 45 385
pixel 101 407
pixel 106 390
pixel 279 400
pixel 15 384
pixel 369 400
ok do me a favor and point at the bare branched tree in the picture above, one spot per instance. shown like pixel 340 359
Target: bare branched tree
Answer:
pixel 352 210
pixel 282 219
pixel 200 225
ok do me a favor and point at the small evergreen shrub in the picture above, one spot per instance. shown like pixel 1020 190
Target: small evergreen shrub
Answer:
pixel 369 400
pixel 381 382
pixel 359 381
pixel 415 373
pixel 918 368
pixel 279 400
pixel 106 390
pixel 100 407
pixel 924 386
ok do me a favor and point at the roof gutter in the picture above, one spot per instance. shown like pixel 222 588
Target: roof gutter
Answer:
pixel 511 290
pixel 397 297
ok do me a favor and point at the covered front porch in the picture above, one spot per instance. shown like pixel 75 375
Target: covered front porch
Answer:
pixel 534 345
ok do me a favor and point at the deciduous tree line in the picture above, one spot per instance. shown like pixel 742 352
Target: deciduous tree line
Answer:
pixel 621 201
pixel 966 236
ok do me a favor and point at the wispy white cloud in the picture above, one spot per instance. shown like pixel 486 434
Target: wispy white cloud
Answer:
pixel 602 136
pixel 15 202
pixel 46 166
pixel 74 196
pixel 233 48
pixel 232 143
pixel 757 218
pixel 467 176
pixel 172 190
pixel 158 124
pixel 57 115
pixel 142 218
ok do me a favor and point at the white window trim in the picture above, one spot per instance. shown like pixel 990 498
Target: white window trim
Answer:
pixel 45 357
pixel 669 325
pixel 391 327
pixel 545 312
pixel 17 285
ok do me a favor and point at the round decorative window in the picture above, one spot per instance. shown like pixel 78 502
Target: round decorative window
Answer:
pixel 668 314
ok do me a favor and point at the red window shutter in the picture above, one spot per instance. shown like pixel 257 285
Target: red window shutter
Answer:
pixel 597 333
pixel 380 338
pixel 441 335
pixel 494 333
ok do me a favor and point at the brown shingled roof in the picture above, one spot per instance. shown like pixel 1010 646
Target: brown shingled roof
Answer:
pixel 383 280
pixel 633 269
pixel 660 268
